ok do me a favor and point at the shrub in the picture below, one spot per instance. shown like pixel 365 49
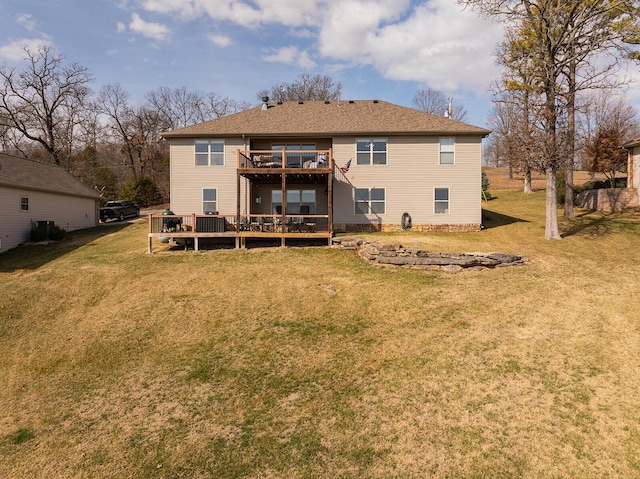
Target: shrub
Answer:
pixel 144 192
pixel 485 187
pixel 57 233
pixel 600 184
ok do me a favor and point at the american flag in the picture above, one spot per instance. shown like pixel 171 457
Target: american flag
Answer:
pixel 344 168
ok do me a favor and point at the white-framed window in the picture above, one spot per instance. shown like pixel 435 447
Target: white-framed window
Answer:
pixel 210 201
pixel 372 151
pixel 441 201
pixel 369 201
pixel 24 203
pixel 298 202
pixel 447 151
pixel 209 152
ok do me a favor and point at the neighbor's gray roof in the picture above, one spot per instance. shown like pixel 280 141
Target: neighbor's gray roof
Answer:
pixel 32 175
pixel 328 118
pixel 632 143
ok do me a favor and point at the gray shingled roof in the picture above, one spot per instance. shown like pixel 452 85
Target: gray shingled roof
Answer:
pixel 328 118
pixel 32 175
pixel 632 144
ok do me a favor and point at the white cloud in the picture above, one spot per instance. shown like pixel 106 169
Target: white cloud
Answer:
pixel 291 56
pixel 437 44
pixel 121 27
pixel 242 12
pixel 155 31
pixel 26 21
pixel 15 51
pixel 427 41
pixel 221 40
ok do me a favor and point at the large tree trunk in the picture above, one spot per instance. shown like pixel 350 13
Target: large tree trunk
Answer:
pixel 527 179
pixel 551 230
pixel 571 140
pixel 568 189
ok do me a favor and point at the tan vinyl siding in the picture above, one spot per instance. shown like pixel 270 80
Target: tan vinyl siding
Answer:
pixel 188 180
pixel 68 212
pixel 409 178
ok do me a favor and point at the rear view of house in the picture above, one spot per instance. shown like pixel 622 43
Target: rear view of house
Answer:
pixel 310 169
pixel 33 193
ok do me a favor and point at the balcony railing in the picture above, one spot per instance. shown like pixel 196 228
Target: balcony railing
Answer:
pixel 306 159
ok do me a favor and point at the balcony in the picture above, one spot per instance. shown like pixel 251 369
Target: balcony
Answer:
pixel 312 161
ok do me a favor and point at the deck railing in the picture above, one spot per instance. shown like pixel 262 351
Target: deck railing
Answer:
pixel 307 159
pixel 183 225
pixel 192 223
pixel 288 224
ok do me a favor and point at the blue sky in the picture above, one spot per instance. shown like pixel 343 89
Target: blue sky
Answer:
pixel 377 49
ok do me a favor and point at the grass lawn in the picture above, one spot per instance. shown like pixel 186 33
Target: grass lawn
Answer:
pixel 310 362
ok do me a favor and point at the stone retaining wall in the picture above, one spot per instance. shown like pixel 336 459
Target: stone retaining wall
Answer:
pixel 389 227
pixel 608 199
pixel 396 254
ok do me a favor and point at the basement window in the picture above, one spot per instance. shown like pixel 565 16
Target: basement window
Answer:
pixel 441 203
pixel 369 201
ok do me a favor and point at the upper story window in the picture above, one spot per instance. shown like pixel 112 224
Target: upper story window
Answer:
pixel 371 151
pixel 209 152
pixel 447 151
pixel 24 203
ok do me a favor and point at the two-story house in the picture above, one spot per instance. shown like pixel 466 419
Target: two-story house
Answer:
pixel 310 169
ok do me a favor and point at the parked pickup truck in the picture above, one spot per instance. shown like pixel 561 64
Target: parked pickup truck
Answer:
pixel 119 210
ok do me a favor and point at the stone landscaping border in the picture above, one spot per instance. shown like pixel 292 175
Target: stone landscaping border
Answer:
pixel 397 255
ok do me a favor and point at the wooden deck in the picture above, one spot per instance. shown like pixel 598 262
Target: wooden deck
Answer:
pixel 279 168
pixel 190 229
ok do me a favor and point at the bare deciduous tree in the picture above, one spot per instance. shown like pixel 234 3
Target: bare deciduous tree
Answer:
pixel 306 87
pixel 435 102
pixel 180 107
pixel 557 34
pixel 45 101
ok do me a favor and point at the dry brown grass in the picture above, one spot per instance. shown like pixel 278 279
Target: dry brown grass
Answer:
pixel 273 363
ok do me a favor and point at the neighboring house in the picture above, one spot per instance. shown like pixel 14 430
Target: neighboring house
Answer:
pixel 633 164
pixel 617 199
pixel 309 169
pixel 31 192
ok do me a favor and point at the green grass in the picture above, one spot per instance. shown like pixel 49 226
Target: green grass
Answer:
pixel 297 362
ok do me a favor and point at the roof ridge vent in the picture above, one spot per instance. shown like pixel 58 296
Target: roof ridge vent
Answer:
pixel 265 101
pixel 351 101
pixel 326 102
pixel 376 101
pixel 300 102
